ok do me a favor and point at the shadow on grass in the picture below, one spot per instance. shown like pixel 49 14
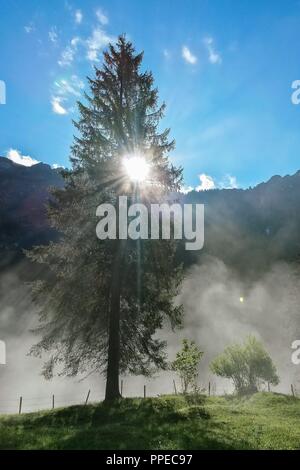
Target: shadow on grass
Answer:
pixel 167 422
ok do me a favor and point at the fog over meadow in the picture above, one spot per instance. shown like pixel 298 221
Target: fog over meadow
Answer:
pixel 214 317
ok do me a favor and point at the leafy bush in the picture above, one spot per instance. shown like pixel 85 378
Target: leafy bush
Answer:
pixel 186 365
pixel 247 365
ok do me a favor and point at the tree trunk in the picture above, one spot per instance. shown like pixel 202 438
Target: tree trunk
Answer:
pixel 113 361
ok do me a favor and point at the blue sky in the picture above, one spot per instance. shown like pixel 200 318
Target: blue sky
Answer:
pixel 223 67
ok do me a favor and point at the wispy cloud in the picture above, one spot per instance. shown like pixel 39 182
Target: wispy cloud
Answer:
pixel 72 86
pixel 228 182
pixel 96 42
pixel 92 46
pixel 29 28
pixel 188 56
pixel 57 106
pixel 78 16
pixel 52 34
pixel 68 54
pixel 167 54
pixel 213 56
pixel 85 46
pixel 63 93
pixel 102 17
pixel 16 157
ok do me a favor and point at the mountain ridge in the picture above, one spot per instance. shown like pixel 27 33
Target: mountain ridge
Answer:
pixel 246 228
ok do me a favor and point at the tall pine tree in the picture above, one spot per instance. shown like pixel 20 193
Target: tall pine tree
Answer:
pixel 102 301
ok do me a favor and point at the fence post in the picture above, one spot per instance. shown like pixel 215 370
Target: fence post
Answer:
pixel 20 405
pixel 87 397
pixel 269 387
pixel 209 389
pixel 121 387
pixel 52 402
pixel 292 389
pixel 175 389
pixel 144 391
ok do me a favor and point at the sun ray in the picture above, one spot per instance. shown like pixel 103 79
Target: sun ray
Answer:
pixel 136 167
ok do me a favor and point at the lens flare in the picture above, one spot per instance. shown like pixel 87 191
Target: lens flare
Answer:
pixel 136 167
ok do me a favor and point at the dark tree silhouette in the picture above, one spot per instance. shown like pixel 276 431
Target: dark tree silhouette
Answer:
pixel 103 300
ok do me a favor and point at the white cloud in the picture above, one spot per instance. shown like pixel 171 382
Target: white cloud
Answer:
pixel 29 28
pixel 213 56
pixel 91 45
pixel 57 107
pixel 97 41
pixel 228 182
pixel 53 36
pixel 186 189
pixel 55 166
pixel 101 16
pixel 72 86
pixel 75 41
pixel 188 56
pixel 78 16
pixel 166 54
pixel 16 157
pixel 206 183
pixel 68 54
pixel 64 89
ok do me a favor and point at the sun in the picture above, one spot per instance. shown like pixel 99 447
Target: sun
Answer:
pixel 136 167
pixel 242 300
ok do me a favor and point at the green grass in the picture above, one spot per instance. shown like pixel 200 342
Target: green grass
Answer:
pixel 263 421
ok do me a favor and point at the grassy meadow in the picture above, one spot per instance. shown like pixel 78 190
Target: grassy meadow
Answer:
pixel 262 421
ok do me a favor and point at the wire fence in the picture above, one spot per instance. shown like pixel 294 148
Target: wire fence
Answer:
pixel 26 404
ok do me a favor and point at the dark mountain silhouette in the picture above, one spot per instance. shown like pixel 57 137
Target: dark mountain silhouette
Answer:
pixel 248 229
pixel 253 228
pixel 24 192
